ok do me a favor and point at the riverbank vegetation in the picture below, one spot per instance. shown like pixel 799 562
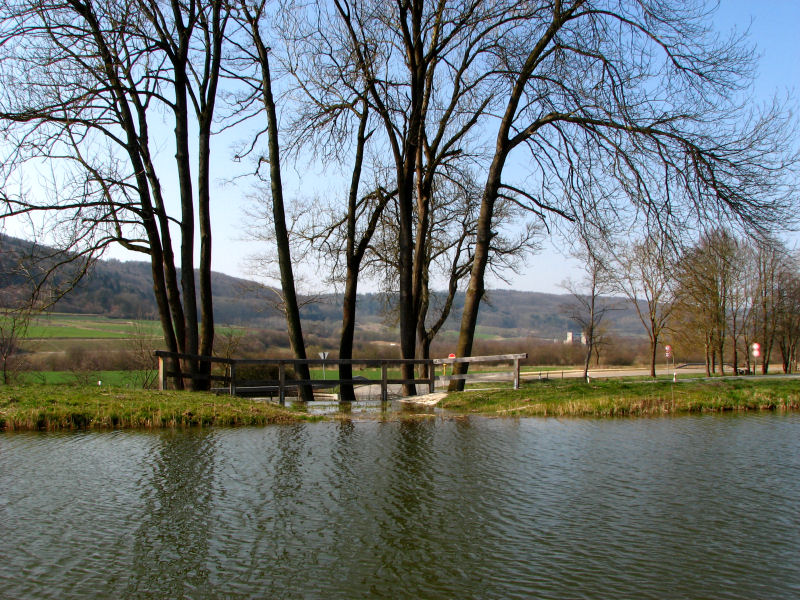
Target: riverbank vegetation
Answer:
pixel 611 398
pixel 69 407
pixel 57 407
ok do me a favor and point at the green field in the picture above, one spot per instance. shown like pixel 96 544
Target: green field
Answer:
pixel 59 326
pixel 73 326
pixel 125 379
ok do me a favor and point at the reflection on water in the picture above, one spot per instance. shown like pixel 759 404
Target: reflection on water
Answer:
pixel 476 508
pixel 172 539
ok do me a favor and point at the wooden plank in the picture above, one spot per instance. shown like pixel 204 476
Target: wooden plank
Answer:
pixel 476 376
pixel 404 381
pixel 384 365
pixel 477 359
pixel 211 359
pixel 162 374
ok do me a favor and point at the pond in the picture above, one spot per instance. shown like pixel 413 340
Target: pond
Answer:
pixel 438 507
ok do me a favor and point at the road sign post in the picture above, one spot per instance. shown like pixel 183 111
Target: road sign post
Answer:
pixel 323 356
pixel 453 368
pixel 756 350
pixel 668 354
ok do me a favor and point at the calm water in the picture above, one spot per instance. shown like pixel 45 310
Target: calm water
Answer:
pixel 691 507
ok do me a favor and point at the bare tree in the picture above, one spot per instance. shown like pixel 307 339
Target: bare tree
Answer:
pixel 706 283
pixel 587 308
pixel 788 323
pixel 629 111
pixel 16 310
pixel 425 69
pixel 33 278
pixel 643 272
pixel 769 261
pixel 94 79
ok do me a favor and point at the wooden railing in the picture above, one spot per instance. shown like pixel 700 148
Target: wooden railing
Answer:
pixel 514 374
pixel 234 385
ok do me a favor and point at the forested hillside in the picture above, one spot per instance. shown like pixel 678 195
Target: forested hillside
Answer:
pixel 123 289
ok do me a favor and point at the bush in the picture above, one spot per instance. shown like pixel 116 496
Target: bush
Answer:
pixel 261 373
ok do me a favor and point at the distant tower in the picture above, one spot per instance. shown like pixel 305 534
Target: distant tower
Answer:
pixel 569 339
pixel 583 339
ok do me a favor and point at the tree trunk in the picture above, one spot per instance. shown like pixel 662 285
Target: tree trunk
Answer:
pixel 346 391
pixel 355 253
pixel 206 296
pixel 587 360
pixel 182 158
pixel 475 288
pixel 281 233
pixel 408 316
pixel 653 356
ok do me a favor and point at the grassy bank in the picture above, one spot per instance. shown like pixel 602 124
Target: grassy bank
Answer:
pixel 57 407
pixel 48 407
pixel 629 398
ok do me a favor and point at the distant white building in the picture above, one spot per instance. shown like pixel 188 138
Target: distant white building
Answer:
pixel 571 339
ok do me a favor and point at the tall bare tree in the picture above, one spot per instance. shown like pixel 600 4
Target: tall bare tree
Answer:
pixel 769 261
pixel 630 110
pixel 425 66
pixel 705 285
pixel 252 17
pixel 95 80
pixel 587 308
pixel 788 326
pixel 643 272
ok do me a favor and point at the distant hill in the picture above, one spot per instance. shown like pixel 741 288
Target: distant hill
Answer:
pixel 124 289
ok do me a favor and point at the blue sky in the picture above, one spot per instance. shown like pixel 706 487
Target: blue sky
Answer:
pixel 772 27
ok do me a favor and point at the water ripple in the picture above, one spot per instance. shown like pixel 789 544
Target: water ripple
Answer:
pixel 468 508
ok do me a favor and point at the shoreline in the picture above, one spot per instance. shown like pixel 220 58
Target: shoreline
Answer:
pixel 72 407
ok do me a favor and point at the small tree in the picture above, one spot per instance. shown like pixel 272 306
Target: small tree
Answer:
pixel 642 272
pixel 787 332
pixel 15 317
pixel 32 280
pixel 586 308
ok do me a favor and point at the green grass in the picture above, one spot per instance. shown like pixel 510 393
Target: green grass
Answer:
pixel 49 407
pixel 624 397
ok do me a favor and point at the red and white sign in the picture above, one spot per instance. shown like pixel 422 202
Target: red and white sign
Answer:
pixel 756 349
pixel 668 351
pixel 451 355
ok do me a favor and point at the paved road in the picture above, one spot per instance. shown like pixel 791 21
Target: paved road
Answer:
pixel 532 374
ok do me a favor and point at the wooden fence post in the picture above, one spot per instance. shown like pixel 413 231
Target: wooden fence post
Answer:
pixel 384 385
pixel 281 382
pixel 232 384
pixel 162 374
pixel 432 377
pixel 516 373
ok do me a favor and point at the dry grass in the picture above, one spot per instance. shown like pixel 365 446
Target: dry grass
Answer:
pixel 43 407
